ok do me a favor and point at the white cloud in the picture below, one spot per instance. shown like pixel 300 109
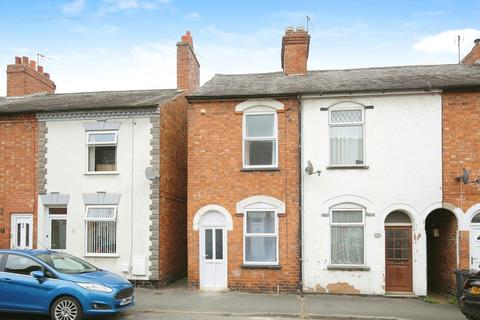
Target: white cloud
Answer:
pixel 121 5
pixel 446 41
pixel 193 16
pixel 110 28
pixel 74 7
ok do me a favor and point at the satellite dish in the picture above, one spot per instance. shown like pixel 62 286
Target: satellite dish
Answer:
pixel 309 169
pixel 151 174
pixel 464 177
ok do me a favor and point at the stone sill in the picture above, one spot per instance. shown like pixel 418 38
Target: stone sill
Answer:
pixel 348 268
pixel 347 167
pixel 259 169
pixel 261 266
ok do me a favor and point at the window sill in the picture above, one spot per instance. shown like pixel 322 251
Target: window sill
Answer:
pixel 101 256
pixel 259 169
pixel 347 167
pixel 261 266
pixel 348 268
pixel 97 173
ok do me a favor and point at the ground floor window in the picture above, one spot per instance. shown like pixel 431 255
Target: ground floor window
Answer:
pixel 347 237
pixel 261 237
pixel 101 230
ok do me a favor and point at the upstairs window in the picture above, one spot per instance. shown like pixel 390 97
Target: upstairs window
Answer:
pixel 102 151
pixel 346 137
pixel 260 140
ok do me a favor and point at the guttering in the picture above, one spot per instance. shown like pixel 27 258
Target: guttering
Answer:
pixel 239 96
pixel 369 94
pixel 300 194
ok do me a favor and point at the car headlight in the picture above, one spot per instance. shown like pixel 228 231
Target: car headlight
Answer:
pixel 94 287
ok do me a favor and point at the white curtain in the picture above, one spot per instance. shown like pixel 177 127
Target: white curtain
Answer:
pixel 346 145
pixel 347 245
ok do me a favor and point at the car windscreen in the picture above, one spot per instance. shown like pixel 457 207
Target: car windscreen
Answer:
pixel 65 263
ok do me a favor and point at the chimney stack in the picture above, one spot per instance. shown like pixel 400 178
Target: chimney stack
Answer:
pixel 25 78
pixel 473 57
pixel 188 68
pixel 295 47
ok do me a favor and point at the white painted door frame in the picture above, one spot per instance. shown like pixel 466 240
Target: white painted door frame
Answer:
pixel 21 231
pixel 48 229
pixel 213 272
pixel 475 246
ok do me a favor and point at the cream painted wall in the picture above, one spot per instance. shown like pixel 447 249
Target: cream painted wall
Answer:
pixel 66 174
pixel 404 156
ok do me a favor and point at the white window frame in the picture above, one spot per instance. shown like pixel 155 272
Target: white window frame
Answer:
pixel 250 235
pixel 348 224
pixel 274 138
pixel 88 254
pixel 346 124
pixel 104 144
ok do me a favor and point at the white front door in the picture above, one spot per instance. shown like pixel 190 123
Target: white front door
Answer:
pixel 213 260
pixel 57 233
pixel 22 231
pixel 475 247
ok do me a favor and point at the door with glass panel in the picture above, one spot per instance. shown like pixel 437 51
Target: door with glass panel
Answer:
pixel 21 231
pixel 398 259
pixel 56 231
pixel 213 265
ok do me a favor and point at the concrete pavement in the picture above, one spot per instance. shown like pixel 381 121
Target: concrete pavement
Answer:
pixel 177 303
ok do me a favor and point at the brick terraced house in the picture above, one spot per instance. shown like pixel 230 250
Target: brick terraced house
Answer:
pixel 109 169
pixel 354 157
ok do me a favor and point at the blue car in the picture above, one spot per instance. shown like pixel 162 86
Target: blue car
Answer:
pixel 64 286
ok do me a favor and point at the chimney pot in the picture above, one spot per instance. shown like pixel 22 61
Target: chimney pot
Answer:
pixel 33 64
pixel 18 60
pixel 476 41
pixel 300 29
pixel 40 69
pixel 25 60
pixel 289 29
pixel 46 74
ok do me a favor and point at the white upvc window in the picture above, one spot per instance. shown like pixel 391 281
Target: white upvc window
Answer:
pixel 347 136
pixel 101 230
pixel 347 230
pixel 102 151
pixel 260 237
pixel 260 140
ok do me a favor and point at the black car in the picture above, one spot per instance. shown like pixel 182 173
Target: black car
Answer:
pixel 470 300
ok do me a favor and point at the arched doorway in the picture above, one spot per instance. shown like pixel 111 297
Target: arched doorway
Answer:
pixel 398 253
pixel 213 261
pixel 441 228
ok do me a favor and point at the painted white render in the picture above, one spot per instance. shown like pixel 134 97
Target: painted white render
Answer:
pixel 67 174
pixel 403 159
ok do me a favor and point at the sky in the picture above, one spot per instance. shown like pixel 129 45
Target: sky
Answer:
pixel 96 45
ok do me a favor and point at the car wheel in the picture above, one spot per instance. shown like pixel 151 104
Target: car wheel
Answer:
pixel 66 308
pixel 471 317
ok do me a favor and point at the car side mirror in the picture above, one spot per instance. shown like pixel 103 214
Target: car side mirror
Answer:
pixel 37 274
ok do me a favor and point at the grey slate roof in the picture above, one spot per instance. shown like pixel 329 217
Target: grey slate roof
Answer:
pixel 422 77
pixel 86 101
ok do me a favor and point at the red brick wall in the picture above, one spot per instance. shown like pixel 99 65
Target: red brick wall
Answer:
pixel 18 140
pixel 215 177
pixel 461 142
pixel 474 55
pixel 24 78
pixel 173 191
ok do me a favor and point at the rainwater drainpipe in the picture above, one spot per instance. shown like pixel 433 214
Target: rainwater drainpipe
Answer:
pixel 300 195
